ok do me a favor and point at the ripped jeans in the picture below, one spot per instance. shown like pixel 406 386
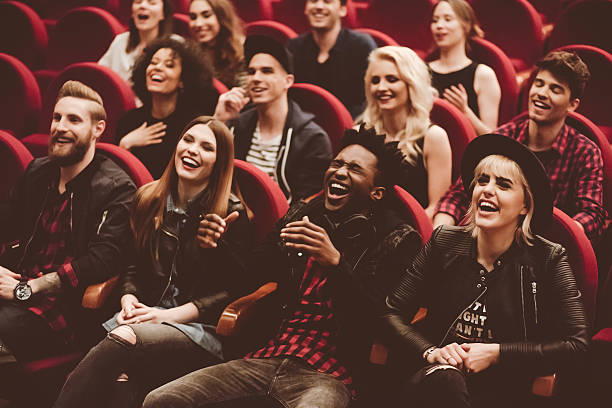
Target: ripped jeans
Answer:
pixel 161 354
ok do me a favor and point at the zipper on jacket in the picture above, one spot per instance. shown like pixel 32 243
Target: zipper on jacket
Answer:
pixel 104 214
pixel 172 269
pixel 27 245
pixel 534 291
pixel 283 162
pixel 523 306
pixel 461 314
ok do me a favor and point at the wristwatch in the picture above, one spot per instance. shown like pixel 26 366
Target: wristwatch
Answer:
pixel 23 291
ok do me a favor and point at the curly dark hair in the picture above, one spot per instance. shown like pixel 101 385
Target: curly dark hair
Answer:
pixel 390 158
pixel 196 72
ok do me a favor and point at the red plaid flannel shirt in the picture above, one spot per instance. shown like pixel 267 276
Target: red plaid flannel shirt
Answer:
pixel 575 170
pixel 310 333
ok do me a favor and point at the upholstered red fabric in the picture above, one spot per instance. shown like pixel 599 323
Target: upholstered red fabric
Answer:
pixel 127 161
pixel 488 53
pixel 115 92
pixel 566 232
pixel 414 213
pixel 514 26
pixel 180 24
pixel 549 9
pixel 20 100
pixel 22 33
pixel 603 336
pixel 329 112
pixel 458 128
pixel 262 195
pixel 14 159
pixel 82 34
pixel 584 22
pixel 219 86
pixel 279 31
pixel 405 21
pixel 251 10
pixel 291 13
pixel 381 39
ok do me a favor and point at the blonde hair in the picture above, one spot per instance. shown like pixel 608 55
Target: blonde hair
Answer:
pixel 413 71
pixel 504 167
pixel 150 200
pixel 79 90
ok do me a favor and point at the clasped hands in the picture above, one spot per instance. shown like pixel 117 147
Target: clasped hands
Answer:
pixel 134 312
pixel 471 357
pixel 306 236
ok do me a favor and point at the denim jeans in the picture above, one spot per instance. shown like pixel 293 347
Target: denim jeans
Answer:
pixel 288 380
pixel 161 354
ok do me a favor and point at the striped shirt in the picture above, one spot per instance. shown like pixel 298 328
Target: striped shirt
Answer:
pixel 263 153
pixel 311 332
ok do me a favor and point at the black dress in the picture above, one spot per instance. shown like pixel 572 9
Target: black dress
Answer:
pixel 465 77
pixel 414 177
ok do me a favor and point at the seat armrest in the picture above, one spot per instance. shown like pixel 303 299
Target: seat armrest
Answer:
pixel 236 313
pixel 544 386
pixel 95 295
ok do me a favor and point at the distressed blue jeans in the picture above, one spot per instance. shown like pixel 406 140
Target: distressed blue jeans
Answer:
pixel 287 380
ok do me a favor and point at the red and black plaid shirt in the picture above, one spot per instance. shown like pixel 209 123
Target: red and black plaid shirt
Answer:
pixel 49 251
pixel 575 170
pixel 310 333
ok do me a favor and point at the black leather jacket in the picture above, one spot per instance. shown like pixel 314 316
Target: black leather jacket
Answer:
pixel 210 278
pixel 534 308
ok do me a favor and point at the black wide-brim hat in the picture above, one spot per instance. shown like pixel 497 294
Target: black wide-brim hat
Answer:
pixel 263 44
pixel 532 168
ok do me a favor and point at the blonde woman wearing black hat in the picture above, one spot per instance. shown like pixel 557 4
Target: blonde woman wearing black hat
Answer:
pixel 503 306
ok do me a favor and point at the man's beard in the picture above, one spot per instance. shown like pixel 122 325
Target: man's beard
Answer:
pixel 73 156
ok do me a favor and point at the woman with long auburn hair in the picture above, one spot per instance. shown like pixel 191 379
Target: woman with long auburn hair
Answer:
pixel 215 25
pixel 191 239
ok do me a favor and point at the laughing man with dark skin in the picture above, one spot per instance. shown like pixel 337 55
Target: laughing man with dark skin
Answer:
pixel 334 258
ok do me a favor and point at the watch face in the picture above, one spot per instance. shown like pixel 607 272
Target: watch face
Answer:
pixel 23 291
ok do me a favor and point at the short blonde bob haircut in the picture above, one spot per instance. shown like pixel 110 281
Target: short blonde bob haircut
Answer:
pixel 504 167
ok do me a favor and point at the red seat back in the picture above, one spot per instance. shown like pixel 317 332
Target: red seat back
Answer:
pixel 22 34
pixel 329 112
pixel 116 94
pixel 128 162
pixel 14 159
pixel 405 21
pixel 514 26
pixel 584 22
pixel 381 39
pixel 20 101
pixel 488 53
pixel 566 232
pixel 414 214
pixel 458 128
pixel 251 10
pixel 82 34
pixel 262 195
pixel 180 25
pixel 278 31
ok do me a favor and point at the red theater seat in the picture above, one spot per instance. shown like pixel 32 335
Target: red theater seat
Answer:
pixel 22 34
pixel 180 25
pixel 14 159
pixel 263 196
pixel 329 112
pixel 405 21
pixel 82 34
pixel 381 39
pixel 514 26
pixel 584 22
pixel 413 213
pixel 269 28
pixel 127 161
pixel 20 100
pixel 458 128
pixel 116 94
pixel 251 10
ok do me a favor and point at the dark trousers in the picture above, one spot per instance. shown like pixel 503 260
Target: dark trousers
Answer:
pixel 439 385
pixel 162 353
pixel 237 383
